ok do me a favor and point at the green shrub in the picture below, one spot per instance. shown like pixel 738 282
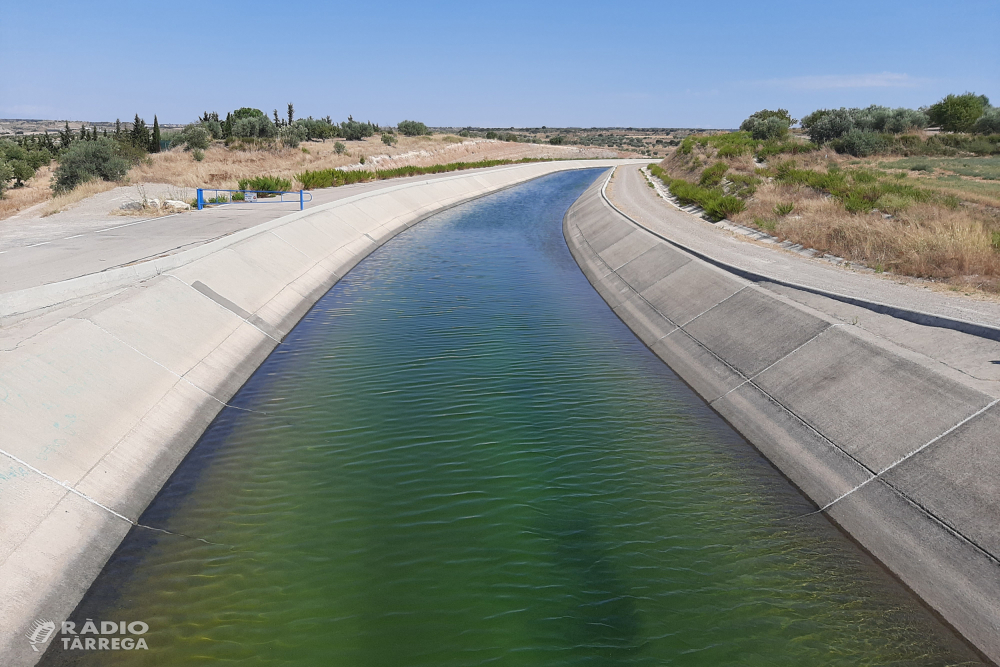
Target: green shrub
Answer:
pixel 198 154
pixel 861 143
pixel 254 127
pixel 743 185
pixel 995 240
pixel 213 127
pixel 6 176
pixel 267 183
pixel 291 135
pixel 830 124
pixel 686 146
pixel 714 201
pixel 322 128
pixel 766 225
pixel 893 203
pixel 86 160
pixel 23 160
pixel 958 113
pixel 783 209
pixel 557 141
pixel 389 139
pixel 712 176
pixel 989 122
pixel 353 130
pixel 767 127
pixel 339 148
pixel 412 128
pixel 491 135
pixel 326 178
pixel 196 136
pixel 774 147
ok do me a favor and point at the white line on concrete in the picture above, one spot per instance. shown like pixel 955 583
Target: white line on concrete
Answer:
pixel 129 224
pixel 908 456
pixel 713 307
pixel 761 372
pixel 92 501
pixel 175 373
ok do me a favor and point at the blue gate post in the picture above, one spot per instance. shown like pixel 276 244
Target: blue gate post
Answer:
pixel 302 201
pixel 201 199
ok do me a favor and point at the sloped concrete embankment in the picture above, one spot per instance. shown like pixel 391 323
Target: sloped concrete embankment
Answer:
pixel 100 407
pixel 903 456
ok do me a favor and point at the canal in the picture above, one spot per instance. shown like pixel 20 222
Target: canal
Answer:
pixel 460 456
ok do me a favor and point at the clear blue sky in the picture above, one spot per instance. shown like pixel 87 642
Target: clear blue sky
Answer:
pixel 626 63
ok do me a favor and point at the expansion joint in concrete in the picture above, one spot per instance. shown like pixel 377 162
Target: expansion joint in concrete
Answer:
pixel 910 455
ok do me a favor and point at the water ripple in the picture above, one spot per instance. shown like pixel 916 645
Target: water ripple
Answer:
pixel 468 460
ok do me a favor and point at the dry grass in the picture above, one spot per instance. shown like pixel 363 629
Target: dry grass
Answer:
pixel 222 167
pixel 76 195
pixel 35 191
pixel 926 240
pixel 956 245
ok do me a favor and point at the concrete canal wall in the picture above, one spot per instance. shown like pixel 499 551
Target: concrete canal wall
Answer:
pixel 902 455
pixel 102 403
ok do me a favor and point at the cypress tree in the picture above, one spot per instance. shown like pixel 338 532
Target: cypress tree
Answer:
pixel 140 135
pixel 154 145
pixel 291 113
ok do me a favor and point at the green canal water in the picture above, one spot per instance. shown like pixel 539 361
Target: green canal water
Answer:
pixel 462 457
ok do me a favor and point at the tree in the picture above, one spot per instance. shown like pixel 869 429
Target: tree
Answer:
pixel 154 145
pixel 277 121
pixel 958 113
pixel 291 113
pixel 139 136
pixel 248 112
pixel 65 136
pixel 412 128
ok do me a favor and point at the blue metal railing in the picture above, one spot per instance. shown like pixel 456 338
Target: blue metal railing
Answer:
pixel 250 197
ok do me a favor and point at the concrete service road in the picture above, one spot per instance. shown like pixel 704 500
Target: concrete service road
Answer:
pixel 629 191
pixel 62 253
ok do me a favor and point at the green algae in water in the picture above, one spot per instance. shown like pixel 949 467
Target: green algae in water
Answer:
pixel 460 457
